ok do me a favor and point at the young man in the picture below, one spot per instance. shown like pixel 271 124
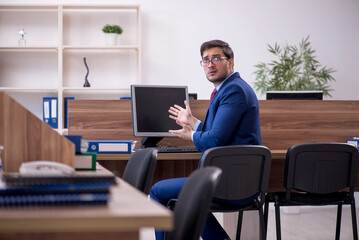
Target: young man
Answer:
pixel 232 118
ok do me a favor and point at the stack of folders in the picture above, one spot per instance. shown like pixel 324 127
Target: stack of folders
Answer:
pixel 83 159
pixel 87 150
pixel 17 190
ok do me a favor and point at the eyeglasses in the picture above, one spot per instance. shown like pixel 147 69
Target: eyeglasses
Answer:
pixel 215 60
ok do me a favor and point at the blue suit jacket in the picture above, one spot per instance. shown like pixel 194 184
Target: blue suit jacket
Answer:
pixel 232 117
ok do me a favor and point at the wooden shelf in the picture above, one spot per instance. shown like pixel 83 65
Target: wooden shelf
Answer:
pixel 19 89
pixel 83 89
pixel 29 7
pixel 78 47
pixel 56 46
pixel 28 48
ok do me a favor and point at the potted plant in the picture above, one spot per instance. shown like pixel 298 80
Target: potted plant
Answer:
pixel 111 33
pixel 296 69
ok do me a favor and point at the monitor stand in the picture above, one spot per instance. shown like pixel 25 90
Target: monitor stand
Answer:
pixel 147 142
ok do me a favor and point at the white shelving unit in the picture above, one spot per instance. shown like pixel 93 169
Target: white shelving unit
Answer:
pixel 58 38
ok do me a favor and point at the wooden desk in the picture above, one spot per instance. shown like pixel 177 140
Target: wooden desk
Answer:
pixel 127 212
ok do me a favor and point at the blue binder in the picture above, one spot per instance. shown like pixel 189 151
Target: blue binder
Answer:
pixel 54 113
pixel 110 146
pixel 46 108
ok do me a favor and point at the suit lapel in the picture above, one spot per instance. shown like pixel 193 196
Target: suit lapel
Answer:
pixel 236 74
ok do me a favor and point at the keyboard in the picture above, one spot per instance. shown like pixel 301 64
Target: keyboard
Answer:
pixel 176 149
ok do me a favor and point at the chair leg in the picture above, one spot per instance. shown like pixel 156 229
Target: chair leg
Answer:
pixel 239 225
pixel 354 221
pixel 277 218
pixel 262 225
pixel 266 210
pixel 339 219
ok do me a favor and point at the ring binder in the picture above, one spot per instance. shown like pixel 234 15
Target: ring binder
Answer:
pixel 46 110
pixel 110 146
pixel 53 120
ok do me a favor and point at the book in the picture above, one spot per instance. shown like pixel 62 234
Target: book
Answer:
pixel 38 191
pixel 15 179
pixel 57 188
pixel 111 146
pixel 85 161
pixel 81 144
pixel 48 199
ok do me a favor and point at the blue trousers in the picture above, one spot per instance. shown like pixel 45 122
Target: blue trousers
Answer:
pixel 168 189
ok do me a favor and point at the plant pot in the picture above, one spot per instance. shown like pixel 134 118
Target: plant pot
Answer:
pixel 111 39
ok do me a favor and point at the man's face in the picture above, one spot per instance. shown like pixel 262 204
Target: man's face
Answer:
pixel 217 73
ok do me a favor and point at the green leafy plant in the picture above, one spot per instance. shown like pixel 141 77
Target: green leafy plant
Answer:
pixel 295 70
pixel 112 29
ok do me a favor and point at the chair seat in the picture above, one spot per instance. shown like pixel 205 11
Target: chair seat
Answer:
pixel 301 198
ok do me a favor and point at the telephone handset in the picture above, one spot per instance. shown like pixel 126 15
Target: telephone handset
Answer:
pixel 45 168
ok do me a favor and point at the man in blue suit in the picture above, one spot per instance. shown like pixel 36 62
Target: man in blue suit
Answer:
pixel 232 118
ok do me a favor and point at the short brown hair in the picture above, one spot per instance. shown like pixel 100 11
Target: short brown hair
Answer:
pixel 227 50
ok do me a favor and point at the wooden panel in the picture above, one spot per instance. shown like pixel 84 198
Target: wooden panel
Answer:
pixel 164 169
pixel 285 123
pixel 27 138
pixel 112 120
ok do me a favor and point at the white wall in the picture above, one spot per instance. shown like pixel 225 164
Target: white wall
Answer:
pixel 172 32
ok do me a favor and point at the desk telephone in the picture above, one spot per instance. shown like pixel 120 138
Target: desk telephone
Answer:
pixel 45 168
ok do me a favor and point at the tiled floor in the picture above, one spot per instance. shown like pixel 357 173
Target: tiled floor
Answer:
pixel 312 223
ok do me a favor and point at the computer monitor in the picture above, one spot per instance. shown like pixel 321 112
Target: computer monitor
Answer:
pixel 150 116
pixel 294 95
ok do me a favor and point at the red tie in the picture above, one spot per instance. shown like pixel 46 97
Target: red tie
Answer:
pixel 213 94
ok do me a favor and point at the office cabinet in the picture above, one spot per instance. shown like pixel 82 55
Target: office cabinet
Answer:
pixel 58 39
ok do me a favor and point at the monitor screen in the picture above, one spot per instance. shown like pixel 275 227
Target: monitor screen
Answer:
pixel 294 95
pixel 150 104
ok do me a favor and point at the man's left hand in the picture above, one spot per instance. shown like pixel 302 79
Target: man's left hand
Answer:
pixel 185 132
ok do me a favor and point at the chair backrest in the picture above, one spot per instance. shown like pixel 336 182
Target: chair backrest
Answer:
pixel 321 167
pixel 192 208
pixel 245 169
pixel 140 169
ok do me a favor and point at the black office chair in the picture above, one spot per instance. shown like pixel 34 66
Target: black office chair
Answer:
pixel 191 208
pixel 140 169
pixel 246 171
pixel 318 174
